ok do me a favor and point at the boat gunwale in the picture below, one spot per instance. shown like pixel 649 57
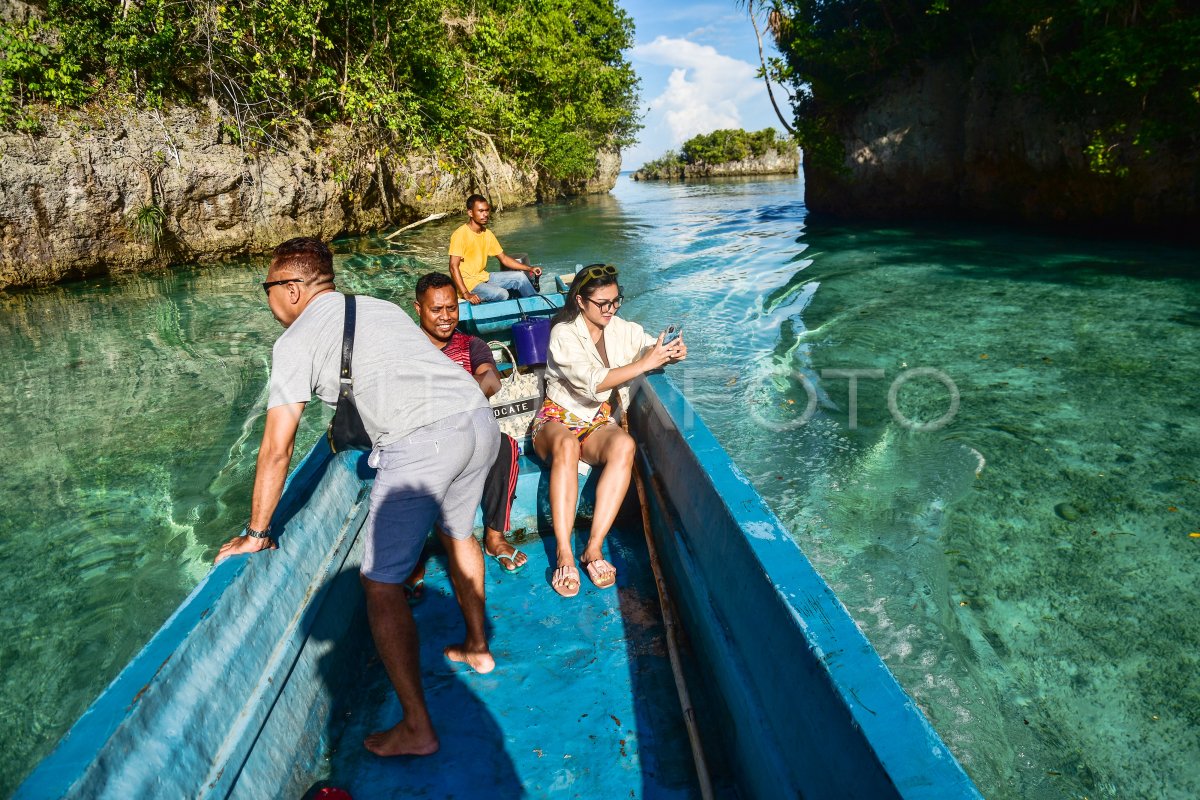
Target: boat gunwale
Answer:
pixel 910 753
pixel 83 744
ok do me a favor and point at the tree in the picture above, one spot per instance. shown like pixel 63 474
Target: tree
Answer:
pixel 1128 69
pixel 544 82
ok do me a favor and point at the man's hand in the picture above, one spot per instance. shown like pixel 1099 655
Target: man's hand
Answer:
pixel 243 544
pixel 459 285
pixel 536 271
pixel 270 473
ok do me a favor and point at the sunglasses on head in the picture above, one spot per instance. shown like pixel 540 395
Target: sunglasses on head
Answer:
pixel 593 271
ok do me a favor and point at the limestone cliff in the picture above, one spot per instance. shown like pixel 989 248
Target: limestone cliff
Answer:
pixel 608 168
pixel 105 195
pixel 772 162
pixel 964 140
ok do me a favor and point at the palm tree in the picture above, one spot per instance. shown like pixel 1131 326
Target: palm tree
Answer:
pixel 775 23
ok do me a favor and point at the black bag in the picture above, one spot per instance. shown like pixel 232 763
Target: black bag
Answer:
pixel 346 430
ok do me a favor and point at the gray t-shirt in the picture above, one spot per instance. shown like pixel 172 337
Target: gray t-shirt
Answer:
pixel 401 381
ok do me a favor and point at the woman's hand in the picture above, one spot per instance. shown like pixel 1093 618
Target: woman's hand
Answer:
pixel 660 354
pixel 243 544
pixel 680 352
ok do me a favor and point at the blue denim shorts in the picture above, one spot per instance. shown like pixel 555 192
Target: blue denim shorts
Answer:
pixel 435 474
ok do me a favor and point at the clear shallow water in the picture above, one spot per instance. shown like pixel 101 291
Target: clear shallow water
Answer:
pixel 1021 569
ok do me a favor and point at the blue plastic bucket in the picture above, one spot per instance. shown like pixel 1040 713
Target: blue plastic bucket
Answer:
pixel 532 340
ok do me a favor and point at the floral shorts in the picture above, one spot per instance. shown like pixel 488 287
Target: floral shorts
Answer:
pixel 580 427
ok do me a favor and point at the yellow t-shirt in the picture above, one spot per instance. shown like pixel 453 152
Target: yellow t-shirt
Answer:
pixel 473 248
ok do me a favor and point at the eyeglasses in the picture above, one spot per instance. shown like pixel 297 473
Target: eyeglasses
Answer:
pixel 268 284
pixel 607 305
pixel 593 271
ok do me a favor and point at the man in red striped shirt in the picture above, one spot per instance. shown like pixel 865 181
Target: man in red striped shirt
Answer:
pixel 437 313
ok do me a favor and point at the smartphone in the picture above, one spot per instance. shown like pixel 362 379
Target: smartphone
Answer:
pixel 671 333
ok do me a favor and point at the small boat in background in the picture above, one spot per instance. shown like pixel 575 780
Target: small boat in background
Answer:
pixel 263 683
pixel 487 319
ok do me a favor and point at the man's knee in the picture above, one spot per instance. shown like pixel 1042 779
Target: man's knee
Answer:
pixel 378 589
pixel 519 283
pixel 490 294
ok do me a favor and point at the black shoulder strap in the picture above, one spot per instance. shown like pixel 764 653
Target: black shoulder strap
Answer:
pixel 348 348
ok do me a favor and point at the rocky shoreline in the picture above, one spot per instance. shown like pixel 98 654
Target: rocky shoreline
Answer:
pixel 106 195
pixel 772 162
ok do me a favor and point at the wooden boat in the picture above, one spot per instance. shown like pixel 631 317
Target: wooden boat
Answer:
pixel 487 319
pixel 263 683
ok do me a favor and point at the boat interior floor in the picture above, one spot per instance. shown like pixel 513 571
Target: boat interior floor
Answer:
pixel 581 703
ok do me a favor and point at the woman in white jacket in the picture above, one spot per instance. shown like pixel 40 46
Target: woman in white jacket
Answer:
pixel 593 353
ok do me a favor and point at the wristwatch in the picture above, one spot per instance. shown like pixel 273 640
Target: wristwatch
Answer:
pixel 253 534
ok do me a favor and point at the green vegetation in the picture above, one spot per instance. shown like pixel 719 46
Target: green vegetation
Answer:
pixel 148 222
pixel 722 146
pixel 670 161
pixel 718 147
pixel 1128 69
pixel 544 82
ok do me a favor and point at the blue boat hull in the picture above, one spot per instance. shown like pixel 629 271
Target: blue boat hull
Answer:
pixel 806 706
pixel 258 685
pixel 488 319
pixel 204 707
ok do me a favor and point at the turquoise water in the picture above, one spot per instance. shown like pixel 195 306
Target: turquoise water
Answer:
pixel 1026 569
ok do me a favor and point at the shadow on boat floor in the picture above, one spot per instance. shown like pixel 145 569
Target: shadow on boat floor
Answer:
pixel 581 704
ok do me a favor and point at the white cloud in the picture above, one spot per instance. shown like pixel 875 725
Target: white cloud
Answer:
pixel 705 90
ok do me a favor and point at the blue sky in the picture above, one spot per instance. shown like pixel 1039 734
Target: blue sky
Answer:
pixel 697 63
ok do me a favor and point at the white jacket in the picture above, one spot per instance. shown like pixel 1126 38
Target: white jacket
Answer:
pixel 574 368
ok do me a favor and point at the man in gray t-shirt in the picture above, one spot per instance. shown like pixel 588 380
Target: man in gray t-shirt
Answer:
pixel 434 440
pixel 401 382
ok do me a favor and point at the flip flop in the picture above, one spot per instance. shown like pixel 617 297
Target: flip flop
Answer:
pixel 600 583
pixel 513 558
pixel 415 591
pixel 565 589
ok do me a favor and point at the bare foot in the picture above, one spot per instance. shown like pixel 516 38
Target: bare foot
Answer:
pixel 479 660
pixel 401 741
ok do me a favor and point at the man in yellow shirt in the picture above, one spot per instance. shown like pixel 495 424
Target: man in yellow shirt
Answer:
pixel 470 247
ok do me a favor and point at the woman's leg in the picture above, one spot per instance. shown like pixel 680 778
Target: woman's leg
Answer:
pixel 556 444
pixel 613 449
